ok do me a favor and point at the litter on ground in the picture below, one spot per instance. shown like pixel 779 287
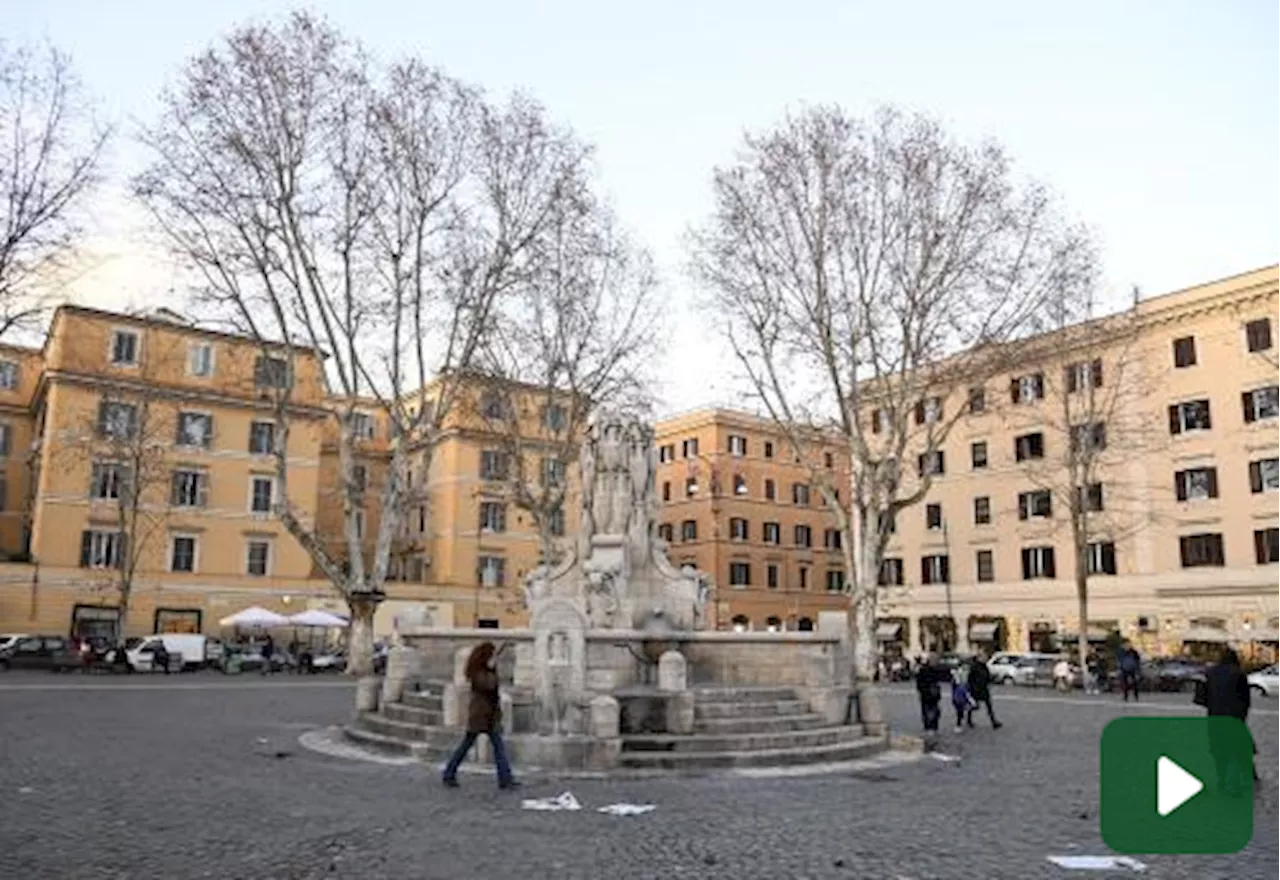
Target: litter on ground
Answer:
pixel 626 809
pixel 564 801
pixel 1097 863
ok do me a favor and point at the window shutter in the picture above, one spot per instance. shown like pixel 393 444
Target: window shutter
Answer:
pixel 919 412
pixel 920 463
pixel 1218 551
pixel 102 417
pixel 1213 482
pixel 122 549
pixel 876 419
pixel 1175 424
pixel 202 490
pixel 1069 377
pixel 1255 477
pixel 1026 563
pixel 1260 546
pixel 86 549
pixel 1246 403
pixel 1038 382
pixel 1208 416
pixel 4 440
pixel 1013 389
pixel 1180 485
pixel 1095 372
pixel 1050 568
pixel 924 570
pixel 1024 503
pixel 942 461
pixel 1184 551
pixel 208 437
pixel 944 562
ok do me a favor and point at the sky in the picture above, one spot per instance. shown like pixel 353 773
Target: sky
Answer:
pixel 1157 123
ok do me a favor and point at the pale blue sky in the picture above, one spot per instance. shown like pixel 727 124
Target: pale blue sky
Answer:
pixel 1158 122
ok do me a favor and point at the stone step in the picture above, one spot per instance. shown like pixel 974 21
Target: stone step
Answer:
pixel 378 742
pixel 414 714
pixel 745 692
pixel 740 742
pixel 764 724
pixel 423 699
pixel 439 737
pixel 749 708
pixel 848 750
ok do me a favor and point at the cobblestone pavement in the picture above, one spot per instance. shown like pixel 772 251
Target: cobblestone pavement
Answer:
pixel 204 777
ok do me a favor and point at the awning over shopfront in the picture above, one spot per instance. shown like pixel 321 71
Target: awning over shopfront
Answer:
pixel 1260 635
pixel 888 632
pixel 983 631
pixel 1205 634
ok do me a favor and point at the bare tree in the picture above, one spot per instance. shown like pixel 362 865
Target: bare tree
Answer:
pixel 382 215
pixel 865 274
pixel 579 333
pixel 50 148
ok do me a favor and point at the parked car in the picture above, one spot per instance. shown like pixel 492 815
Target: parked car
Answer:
pixel 1035 670
pixel 55 653
pixel 1265 682
pixel 1002 665
pixel 329 661
pixel 187 652
pixel 1175 674
pixel 7 639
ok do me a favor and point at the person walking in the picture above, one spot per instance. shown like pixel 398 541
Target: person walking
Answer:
pixel 268 651
pixel 1224 693
pixel 1062 675
pixel 980 688
pixel 484 715
pixel 961 699
pixel 929 678
pixel 1130 671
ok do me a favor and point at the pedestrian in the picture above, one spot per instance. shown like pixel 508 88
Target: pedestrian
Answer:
pixel 961 699
pixel 980 688
pixel 929 678
pixel 484 715
pixel 1130 670
pixel 268 651
pixel 1224 693
pixel 1062 674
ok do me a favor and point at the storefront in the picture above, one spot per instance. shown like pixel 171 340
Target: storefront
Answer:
pixel 178 620
pixel 95 621
pixel 987 634
pixel 937 634
pixel 1205 639
pixel 1042 637
pixel 892 636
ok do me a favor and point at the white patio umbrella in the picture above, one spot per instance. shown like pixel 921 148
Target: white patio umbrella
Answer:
pixel 255 616
pixel 317 618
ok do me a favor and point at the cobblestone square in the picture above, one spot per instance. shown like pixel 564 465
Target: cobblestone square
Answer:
pixel 205 777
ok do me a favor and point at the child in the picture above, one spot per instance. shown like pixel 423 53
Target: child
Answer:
pixel 961 699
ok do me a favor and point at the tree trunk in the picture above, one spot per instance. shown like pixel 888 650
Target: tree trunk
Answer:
pixel 862 632
pixel 1082 609
pixel 360 639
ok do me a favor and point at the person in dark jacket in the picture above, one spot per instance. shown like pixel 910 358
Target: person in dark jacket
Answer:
pixel 930 676
pixel 484 715
pixel 1130 671
pixel 980 688
pixel 1225 693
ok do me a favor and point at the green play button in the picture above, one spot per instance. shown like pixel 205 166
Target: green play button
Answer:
pixel 1177 785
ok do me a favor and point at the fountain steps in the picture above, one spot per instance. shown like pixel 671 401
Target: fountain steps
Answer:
pixel 859 746
pixel 758 724
pixel 747 708
pixel 739 742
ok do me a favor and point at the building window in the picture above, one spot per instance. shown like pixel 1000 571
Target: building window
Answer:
pixel 771 576
pixel 101 549
pixel 690 487
pixel 890 572
pixel 1201 550
pixel 1089 498
pixel 800 494
pixel 689 530
pixel 831 539
pixel 932 463
pixel 182 555
pixel 1027 389
pixel 1038 562
pixel 178 620
pixel 5 436
pixel 1028 446
pixel 772 533
pixel 117 420
pixel 828 460
pixel 737 529
pixel 1037 504
pixel 929 410
pixel 262 438
pixel 1101 557
pixel 551 472
pixel 985 566
pixel 1191 415
pixel 554 418
pixel 835 580
pixel 689 448
pixel 1266 545
pixel 737 444
pixel 492 406
pixel 260 494
pixel 886 524
pixel 1184 351
pixel 493 464
pixel 666 532
pixel 933 516
pixel 982 510
pixel 124 348
pixel 270 372
pixel 1082 375
pixel 803 536
pixel 977 400
pixel 978 454
pixel 1257 334
pixel 1091 437
pixel 491 571
pixel 189 488
pixel 1196 484
pixel 935 569
pixel 555 522
pixel 1261 403
pixel 108 480
pixel 1264 475
pixel 200 359
pixel 361 426
pixel 9 375
pixel 770 490
pixel 739 484
pixel 802 577
pixel 359 478
pixel 666 490
pixel 667 453
pixel 739 574
pixel 493 516
pixel 195 430
pixel 877 420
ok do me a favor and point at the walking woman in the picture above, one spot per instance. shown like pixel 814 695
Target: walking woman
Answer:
pixel 484 715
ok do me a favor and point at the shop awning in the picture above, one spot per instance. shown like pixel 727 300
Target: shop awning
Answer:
pixel 983 631
pixel 1205 634
pixel 1260 635
pixel 888 632
pixel 1096 634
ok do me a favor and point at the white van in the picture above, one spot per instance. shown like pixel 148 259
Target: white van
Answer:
pixel 193 647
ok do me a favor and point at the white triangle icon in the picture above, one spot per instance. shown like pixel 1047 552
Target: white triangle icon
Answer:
pixel 1174 786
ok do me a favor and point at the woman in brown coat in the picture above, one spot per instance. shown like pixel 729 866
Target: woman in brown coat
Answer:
pixel 484 715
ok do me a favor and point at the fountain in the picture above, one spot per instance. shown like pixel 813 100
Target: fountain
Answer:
pixel 616 670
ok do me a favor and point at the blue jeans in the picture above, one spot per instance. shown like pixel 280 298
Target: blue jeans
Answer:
pixel 499 755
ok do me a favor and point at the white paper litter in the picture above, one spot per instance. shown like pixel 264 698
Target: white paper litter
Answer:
pixel 564 801
pixel 938 756
pixel 626 809
pixel 26 789
pixel 1097 863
